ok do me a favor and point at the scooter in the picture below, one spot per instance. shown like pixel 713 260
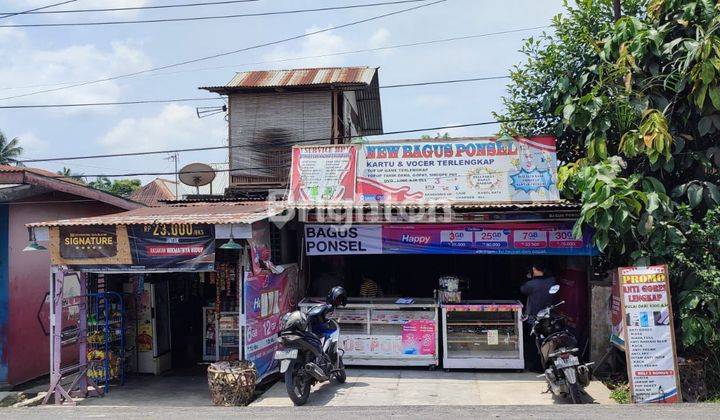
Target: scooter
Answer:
pixel 565 375
pixel 309 351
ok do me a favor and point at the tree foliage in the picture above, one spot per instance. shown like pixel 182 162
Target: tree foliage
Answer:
pixel 10 151
pixel 635 105
pixel 120 187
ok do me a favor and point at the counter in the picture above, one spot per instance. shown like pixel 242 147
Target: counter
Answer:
pixel 382 332
pixel 483 335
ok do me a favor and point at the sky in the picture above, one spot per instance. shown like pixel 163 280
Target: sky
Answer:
pixel 40 58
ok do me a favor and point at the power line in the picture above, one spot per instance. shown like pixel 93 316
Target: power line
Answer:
pixel 158 101
pixel 383 48
pixel 208 148
pixel 227 53
pixel 122 9
pixel 7 15
pixel 196 18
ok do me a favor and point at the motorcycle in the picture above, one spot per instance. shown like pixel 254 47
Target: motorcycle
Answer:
pixel 309 352
pixel 557 345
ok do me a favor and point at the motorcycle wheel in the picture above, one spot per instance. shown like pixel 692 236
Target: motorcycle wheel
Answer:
pixel 575 394
pixel 341 376
pixel 297 384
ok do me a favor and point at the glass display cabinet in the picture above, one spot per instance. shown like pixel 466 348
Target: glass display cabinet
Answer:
pixel 483 335
pixel 382 332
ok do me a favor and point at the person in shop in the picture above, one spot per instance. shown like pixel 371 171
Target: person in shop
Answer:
pixel 537 289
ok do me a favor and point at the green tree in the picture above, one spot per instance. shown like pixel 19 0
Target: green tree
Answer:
pixel 120 187
pixel 635 105
pixel 10 151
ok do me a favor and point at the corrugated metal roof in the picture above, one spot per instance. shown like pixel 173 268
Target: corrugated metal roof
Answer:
pixel 213 213
pixel 42 178
pixel 153 193
pixel 316 77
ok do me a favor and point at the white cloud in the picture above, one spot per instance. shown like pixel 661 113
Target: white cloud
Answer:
pixel 27 68
pixel 31 144
pixel 314 45
pixel 379 38
pixel 175 126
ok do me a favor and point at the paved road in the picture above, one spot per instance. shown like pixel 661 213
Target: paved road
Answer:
pixel 590 411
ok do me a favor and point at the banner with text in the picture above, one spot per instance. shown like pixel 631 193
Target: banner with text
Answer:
pixel 478 170
pixel 141 248
pixel 649 334
pixel 554 238
pixel 267 296
pixel 322 174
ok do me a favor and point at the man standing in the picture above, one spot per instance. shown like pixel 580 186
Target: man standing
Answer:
pixel 537 290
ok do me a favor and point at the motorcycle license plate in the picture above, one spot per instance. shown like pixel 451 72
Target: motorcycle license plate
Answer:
pixel 286 354
pixel 569 362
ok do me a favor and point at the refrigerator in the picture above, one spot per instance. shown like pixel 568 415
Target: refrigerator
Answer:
pixel 153 330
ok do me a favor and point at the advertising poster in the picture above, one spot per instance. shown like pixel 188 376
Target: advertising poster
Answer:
pixel 418 337
pixel 140 248
pixel 649 334
pixel 267 296
pixel 322 174
pixel 479 170
pixel 175 247
pixel 549 238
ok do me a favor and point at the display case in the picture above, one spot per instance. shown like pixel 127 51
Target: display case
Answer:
pixel 483 335
pixel 386 331
pixel 221 339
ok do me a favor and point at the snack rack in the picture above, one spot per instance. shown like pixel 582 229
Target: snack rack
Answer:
pixel 106 338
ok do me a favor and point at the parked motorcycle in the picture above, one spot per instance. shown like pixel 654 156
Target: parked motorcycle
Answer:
pixel 309 351
pixel 565 375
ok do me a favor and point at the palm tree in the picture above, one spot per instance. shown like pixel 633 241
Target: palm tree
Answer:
pixel 68 173
pixel 10 151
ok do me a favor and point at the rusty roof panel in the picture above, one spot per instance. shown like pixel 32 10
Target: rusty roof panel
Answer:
pixel 213 213
pixel 341 76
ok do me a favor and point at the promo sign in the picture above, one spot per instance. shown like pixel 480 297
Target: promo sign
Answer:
pixel 140 248
pixel 267 297
pixel 322 174
pixel 177 246
pixel 649 334
pixel 484 170
pixel 479 170
pixel 492 238
pixel 83 242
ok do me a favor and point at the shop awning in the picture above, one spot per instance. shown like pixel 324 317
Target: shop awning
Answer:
pixel 196 213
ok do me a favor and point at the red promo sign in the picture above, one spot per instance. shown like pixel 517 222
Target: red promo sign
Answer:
pixel 323 174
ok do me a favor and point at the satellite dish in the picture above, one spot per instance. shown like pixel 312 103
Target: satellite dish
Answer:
pixel 197 175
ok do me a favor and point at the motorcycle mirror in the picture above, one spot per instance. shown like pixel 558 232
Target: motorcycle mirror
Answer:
pixel 554 289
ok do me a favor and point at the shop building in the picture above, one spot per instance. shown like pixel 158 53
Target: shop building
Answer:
pixel 433 240
pixel 29 195
pixel 164 288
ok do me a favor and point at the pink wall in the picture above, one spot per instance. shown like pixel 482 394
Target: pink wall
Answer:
pixel 29 273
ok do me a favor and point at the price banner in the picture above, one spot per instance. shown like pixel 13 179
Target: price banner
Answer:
pixel 649 334
pixel 564 238
pixel 530 238
pixel 492 238
pixel 176 246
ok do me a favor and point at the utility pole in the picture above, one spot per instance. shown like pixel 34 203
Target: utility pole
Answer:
pixel 174 157
pixel 617 11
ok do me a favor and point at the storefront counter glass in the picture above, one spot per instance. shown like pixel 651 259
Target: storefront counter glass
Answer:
pixel 383 332
pixel 483 334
